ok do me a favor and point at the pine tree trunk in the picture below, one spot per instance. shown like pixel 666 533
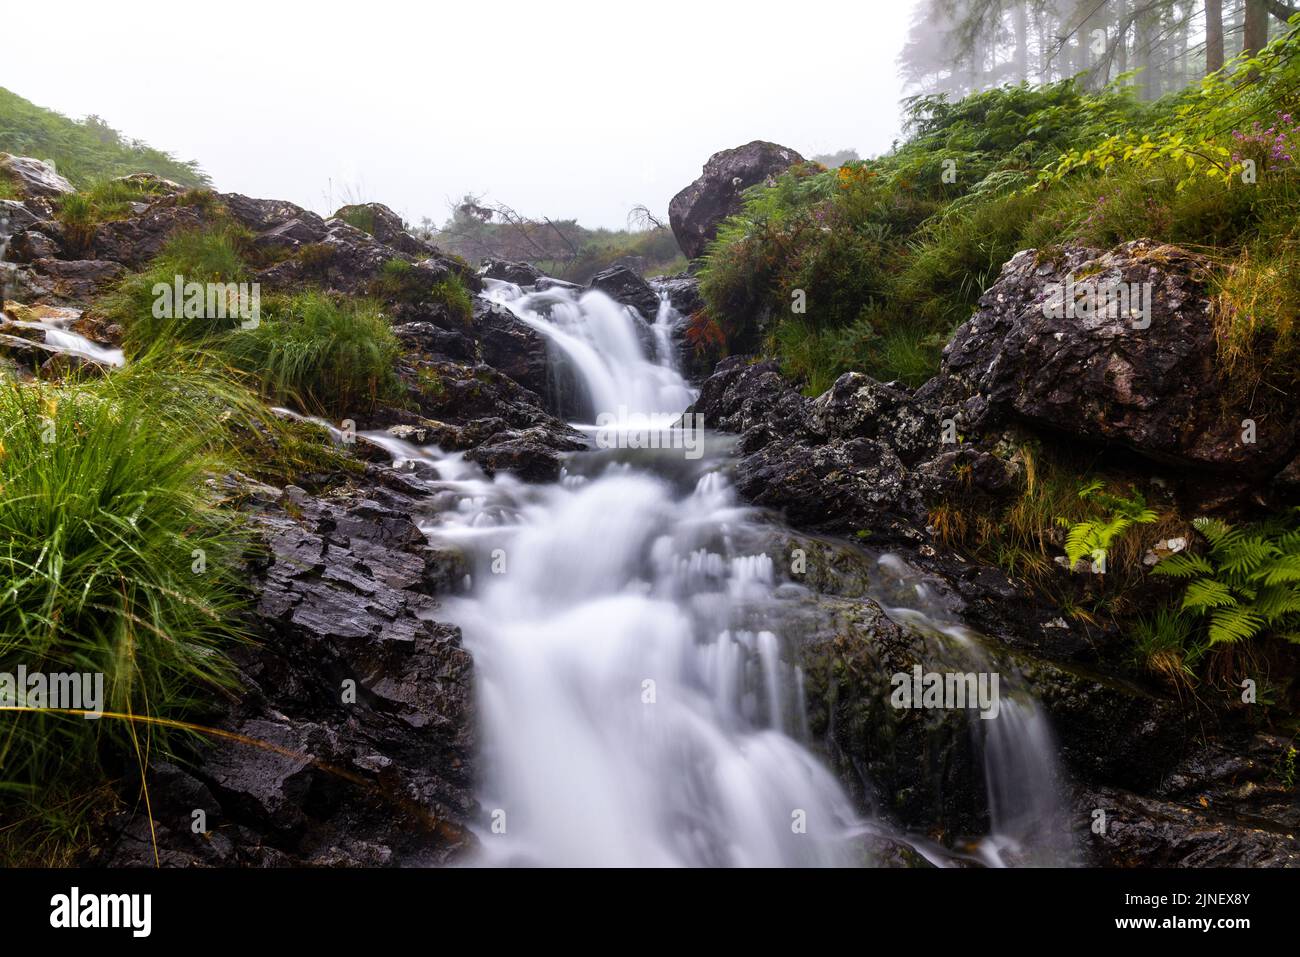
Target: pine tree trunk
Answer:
pixel 1256 31
pixel 1121 41
pixel 1213 35
pixel 1022 43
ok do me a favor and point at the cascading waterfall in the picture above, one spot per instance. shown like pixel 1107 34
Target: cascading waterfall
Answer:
pixel 638 701
pixel 1021 773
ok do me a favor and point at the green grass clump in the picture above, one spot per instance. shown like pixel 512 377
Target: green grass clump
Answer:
pixel 79 213
pixel 359 217
pixel 450 292
pixel 325 355
pixel 401 282
pixel 117 560
pixel 218 254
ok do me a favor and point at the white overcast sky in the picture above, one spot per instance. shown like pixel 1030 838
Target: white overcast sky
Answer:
pixel 556 107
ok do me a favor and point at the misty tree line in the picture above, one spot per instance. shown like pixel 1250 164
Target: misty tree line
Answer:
pixel 959 46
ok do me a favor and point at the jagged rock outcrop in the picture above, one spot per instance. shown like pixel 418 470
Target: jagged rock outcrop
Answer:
pixel 1138 370
pixel 823 464
pixel 1220 805
pixel 695 212
pixel 387 227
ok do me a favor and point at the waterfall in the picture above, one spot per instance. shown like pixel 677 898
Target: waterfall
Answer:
pixel 639 704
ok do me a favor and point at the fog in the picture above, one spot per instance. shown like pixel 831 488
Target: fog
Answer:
pixel 565 108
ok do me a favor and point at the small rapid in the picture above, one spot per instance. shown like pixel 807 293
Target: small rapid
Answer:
pixel 52 325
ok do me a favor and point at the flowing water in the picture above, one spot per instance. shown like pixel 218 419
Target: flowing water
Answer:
pixel 52 323
pixel 637 697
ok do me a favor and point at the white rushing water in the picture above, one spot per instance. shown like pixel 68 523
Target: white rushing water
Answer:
pixel 637 701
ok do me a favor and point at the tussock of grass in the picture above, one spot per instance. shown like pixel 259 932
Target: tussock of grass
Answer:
pixel 80 212
pixel 117 558
pixel 325 356
pixel 1257 318
pixel 359 217
pixel 400 282
pixel 218 254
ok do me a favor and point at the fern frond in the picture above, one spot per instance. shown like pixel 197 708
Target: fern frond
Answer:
pixel 1183 565
pixel 1245 555
pixel 1207 593
pixel 1233 624
pixel 1216 532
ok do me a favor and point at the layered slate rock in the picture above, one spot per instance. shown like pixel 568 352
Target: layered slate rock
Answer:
pixel 351 737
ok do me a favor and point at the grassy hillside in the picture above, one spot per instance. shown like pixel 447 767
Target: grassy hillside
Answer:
pixel 84 151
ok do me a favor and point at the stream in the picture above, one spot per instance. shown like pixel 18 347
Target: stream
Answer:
pixel 632 630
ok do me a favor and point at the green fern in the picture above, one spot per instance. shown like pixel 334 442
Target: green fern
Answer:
pixel 1094 537
pixel 1248 583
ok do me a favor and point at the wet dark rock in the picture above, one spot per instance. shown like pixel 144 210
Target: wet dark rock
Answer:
pixel 384 779
pixel 521 274
pixel 1222 804
pixel 917 767
pixel 856 486
pixel 78 280
pixel 430 337
pixel 1103 378
pixel 743 393
pixel 265 215
pixel 857 406
pixel 512 346
pixel 695 212
pixel 16 216
pixel 32 177
pixel 529 454
pixel 627 287
pixel 32 244
pixel 138 239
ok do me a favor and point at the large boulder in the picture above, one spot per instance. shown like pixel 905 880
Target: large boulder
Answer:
pixel 136 240
pixel 1048 347
pixel 33 178
pixel 695 212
